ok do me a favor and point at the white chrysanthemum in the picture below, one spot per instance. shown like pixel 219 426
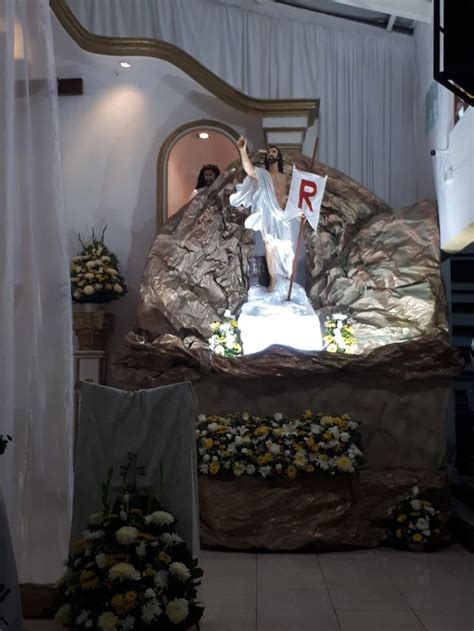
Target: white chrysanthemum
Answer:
pixel 159 518
pixel 101 560
pixel 202 418
pixel 151 611
pixel 415 491
pixel 171 539
pixel 77 294
pixel 423 523
pixel 88 290
pixel 219 350
pixel 416 504
pixel 345 437
pixel 278 416
pixel 265 471
pixel 124 571
pixel 161 580
pixel 339 316
pixel 82 617
pixel 91 264
pixel 96 518
pixel 118 289
pixel 92 535
pixel 250 469
pixel 275 449
pixel 127 535
pixel 150 593
pixel 123 515
pixel 63 615
pixel 177 610
pixel 128 623
pixel 141 550
pixel 180 570
pixel 212 426
pixel 203 468
pixel 108 621
pixel 112 271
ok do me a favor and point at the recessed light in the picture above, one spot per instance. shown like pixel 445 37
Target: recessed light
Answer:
pixel 203 135
pixel 125 64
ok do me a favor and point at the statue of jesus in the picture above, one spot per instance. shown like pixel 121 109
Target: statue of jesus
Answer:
pixel 265 191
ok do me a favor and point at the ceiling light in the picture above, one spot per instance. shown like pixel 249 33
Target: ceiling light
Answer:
pixel 125 64
pixel 203 135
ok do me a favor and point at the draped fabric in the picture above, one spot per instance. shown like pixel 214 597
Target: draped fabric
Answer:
pixel 35 304
pixel 363 76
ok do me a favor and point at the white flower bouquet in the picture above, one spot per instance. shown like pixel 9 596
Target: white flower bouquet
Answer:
pixel 277 446
pixel 339 334
pixel 225 339
pixel 130 571
pixel 414 524
pixel 94 273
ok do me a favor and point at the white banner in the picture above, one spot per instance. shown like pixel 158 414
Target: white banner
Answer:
pixel 306 195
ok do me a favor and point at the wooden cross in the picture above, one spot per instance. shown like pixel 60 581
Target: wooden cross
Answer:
pixel 130 471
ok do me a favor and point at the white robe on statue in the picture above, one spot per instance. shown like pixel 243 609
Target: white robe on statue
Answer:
pixel 267 216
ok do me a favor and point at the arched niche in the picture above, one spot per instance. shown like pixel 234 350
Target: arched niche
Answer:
pixel 221 152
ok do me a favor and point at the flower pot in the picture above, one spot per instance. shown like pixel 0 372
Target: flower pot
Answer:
pixel 92 329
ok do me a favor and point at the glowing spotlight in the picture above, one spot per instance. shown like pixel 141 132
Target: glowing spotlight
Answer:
pixel 203 135
pixel 125 64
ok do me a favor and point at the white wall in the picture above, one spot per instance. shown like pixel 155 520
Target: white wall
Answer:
pixel 452 167
pixel 111 137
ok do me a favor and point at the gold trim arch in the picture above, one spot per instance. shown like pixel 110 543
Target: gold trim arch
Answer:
pixel 144 47
pixel 167 146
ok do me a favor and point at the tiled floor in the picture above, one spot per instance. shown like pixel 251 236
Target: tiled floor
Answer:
pixel 369 590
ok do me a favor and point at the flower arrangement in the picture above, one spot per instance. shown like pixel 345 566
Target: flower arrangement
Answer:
pixel 339 334
pixel 94 273
pixel 130 570
pixel 4 440
pixel 278 446
pixel 225 339
pixel 414 524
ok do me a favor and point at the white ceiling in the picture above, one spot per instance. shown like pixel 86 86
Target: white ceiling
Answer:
pixel 388 14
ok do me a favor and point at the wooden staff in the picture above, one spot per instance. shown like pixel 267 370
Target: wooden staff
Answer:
pixel 300 232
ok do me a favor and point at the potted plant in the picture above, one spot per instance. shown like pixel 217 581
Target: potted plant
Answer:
pixel 95 281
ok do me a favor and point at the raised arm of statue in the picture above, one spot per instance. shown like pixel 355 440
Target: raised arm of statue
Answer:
pixel 247 165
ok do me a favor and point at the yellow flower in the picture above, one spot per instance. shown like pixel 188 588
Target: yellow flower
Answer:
pixel 300 460
pixel 307 414
pixel 214 467
pixel 401 518
pixel 207 443
pixel 149 572
pixel 80 545
pixel 327 436
pixel 92 584
pixel 291 472
pixel 164 558
pixel 344 463
pixel 310 468
pixel 262 430
pixel 86 575
pixel 124 602
pixel 310 441
pixel 417 537
pixel 398 533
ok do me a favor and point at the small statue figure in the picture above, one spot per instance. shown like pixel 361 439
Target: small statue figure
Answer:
pixel 207 176
pixel 266 191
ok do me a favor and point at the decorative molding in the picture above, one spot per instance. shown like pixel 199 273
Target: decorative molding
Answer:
pixel 162 164
pixel 144 47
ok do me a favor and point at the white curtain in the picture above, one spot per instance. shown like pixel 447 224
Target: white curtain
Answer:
pixel 364 77
pixel 35 309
